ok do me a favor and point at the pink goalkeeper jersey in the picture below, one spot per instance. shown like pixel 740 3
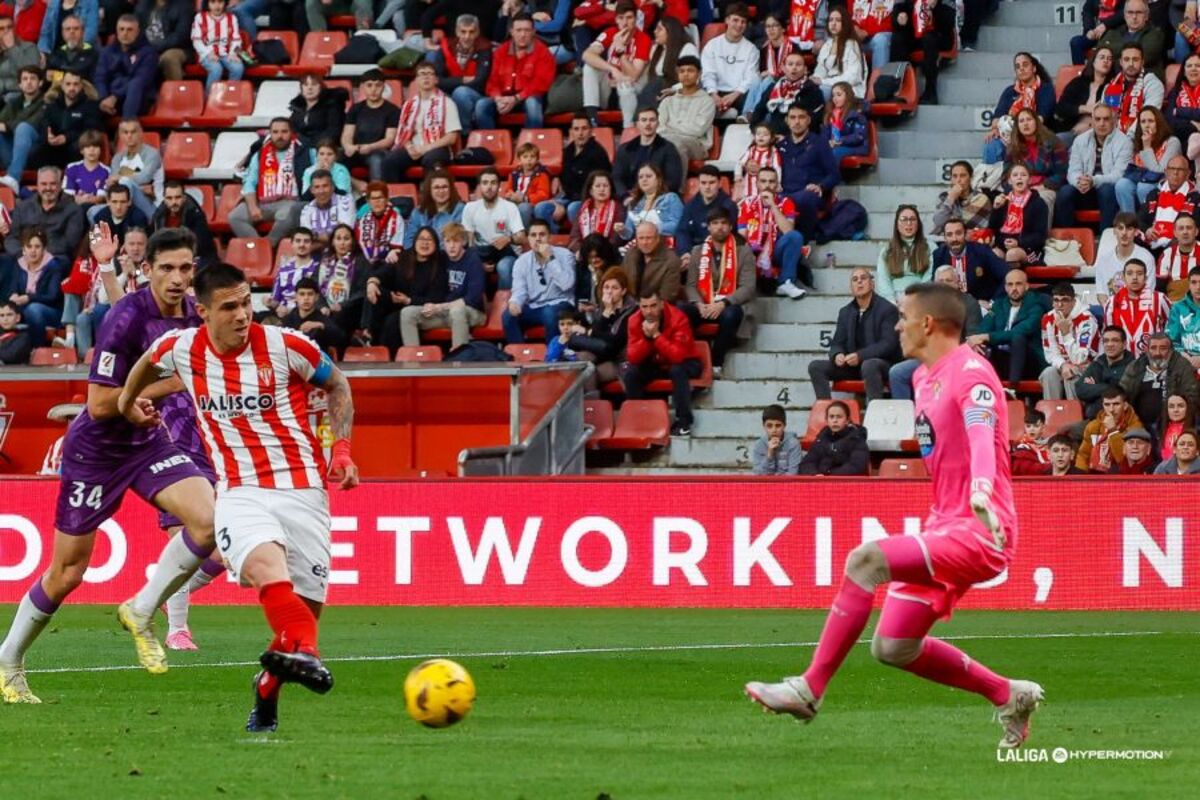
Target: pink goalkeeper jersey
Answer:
pixel 962 428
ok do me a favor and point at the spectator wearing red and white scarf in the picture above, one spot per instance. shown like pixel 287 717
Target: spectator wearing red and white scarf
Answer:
pixel 217 40
pixel 1174 196
pixel 1137 308
pixel 767 222
pixel 380 228
pixel 720 283
pixel 1178 260
pixel 1032 88
pixel 771 56
pixel 1070 340
pixel 927 26
pixel 616 60
pixel 873 26
pixel 429 128
pixel 1132 89
pixel 271 188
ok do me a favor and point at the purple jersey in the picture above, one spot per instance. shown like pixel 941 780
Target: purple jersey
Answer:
pixel 129 328
pixel 78 179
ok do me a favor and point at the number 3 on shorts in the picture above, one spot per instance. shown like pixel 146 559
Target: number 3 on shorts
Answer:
pixel 223 539
pixel 93 499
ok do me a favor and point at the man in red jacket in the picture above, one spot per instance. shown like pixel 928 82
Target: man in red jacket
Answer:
pixel 522 70
pixel 661 346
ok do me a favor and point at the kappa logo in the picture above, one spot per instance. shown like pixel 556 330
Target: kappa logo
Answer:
pixel 972 363
pixel 107 364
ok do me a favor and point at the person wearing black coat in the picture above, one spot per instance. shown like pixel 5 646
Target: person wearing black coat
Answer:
pixel 175 46
pixel 419 276
pixel 840 452
pixel 15 345
pixel 180 210
pixel 324 118
pixel 647 148
pixel 936 39
pixel 865 343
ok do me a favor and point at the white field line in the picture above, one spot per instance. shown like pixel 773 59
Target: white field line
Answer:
pixel 583 651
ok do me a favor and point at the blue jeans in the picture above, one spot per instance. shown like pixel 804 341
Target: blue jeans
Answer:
pixel 758 90
pixel 1130 195
pixel 993 151
pixel 546 316
pixel 1103 197
pixel 465 98
pixel 38 317
pixel 1079 46
pixel 573 210
pixel 231 65
pixel 87 325
pixel 789 258
pixel 900 378
pixel 880 46
pixel 1182 48
pixel 249 10
pixel 485 112
pixel 15 149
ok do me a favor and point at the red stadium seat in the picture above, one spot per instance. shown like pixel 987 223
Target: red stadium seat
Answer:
pixel 816 419
pixel 408 190
pixel 202 193
pixel 549 142
pixel 1016 419
pixel 419 354
pixel 905 101
pixel 7 198
pixel 528 353
pixel 492 329
pixel 641 424
pixel 376 355
pixel 1086 238
pixel 186 151
pixel 1088 216
pixel 868 159
pixel 317 53
pixel 463 190
pixel 711 31
pixel 498 143
pixel 628 135
pixel 902 468
pixel 178 102
pixel 1060 413
pixel 604 137
pixel 283 251
pixel 252 256
pixel 53 357
pixel 149 138
pixel 598 414
pixel 849 387
pixel 227 100
pixel 289 39
pixel 1066 73
pixel 231 195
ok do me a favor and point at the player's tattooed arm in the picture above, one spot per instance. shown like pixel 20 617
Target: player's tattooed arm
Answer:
pixel 340 404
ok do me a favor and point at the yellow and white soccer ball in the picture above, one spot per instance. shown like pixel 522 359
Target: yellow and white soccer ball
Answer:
pixel 438 693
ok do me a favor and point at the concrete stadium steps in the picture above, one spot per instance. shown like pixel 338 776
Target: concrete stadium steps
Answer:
pixel 1035 13
pixel 749 365
pixel 864 252
pixel 884 199
pixel 909 171
pixel 725 453
pixel 991 65
pixel 945 144
pixel 972 91
pixel 950 117
pixel 793 394
pixel 812 309
pixel 789 338
pixel 1033 38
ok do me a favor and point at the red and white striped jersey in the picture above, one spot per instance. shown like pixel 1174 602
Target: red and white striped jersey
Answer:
pixel 216 36
pixel 1138 316
pixel 1174 264
pixel 252 405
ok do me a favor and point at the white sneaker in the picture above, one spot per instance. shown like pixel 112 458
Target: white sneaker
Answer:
pixel 13 686
pixel 1024 698
pixel 11 183
pixel 790 696
pixel 789 289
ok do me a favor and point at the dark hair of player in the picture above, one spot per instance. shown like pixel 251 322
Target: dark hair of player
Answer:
pixel 169 239
pixel 214 277
pixel 941 302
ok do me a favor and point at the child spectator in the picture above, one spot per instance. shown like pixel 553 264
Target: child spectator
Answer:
pixel 529 185
pixel 311 316
pixel 1062 457
pixel 840 448
pixel 15 344
pixel 300 265
pixel 1020 220
pixel 570 323
pixel 217 40
pixel 327 160
pixel 1031 453
pixel 845 123
pixel 761 153
pixel 85 179
pixel 776 452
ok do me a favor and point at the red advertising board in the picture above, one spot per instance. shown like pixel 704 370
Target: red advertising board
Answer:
pixel 1084 543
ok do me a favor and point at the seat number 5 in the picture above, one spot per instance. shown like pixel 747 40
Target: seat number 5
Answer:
pixel 81 496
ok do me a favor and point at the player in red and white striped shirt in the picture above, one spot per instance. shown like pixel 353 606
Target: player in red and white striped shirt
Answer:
pixel 250 386
pixel 217 40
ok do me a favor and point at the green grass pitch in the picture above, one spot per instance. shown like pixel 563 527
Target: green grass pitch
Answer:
pixel 651 715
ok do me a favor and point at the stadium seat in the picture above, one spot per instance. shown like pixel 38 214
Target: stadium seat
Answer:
pixel 252 256
pixel 408 190
pixel 711 31
pixel 704 381
pixel 905 101
pixel 317 53
pixel 849 387
pixel 549 142
pixel 419 354
pixel 890 424
pixel 186 152
pixel 734 144
pixel 270 101
pixel 692 185
pixel 1088 216
pixel 376 354
pixel 1087 249
pixel 291 43
pixel 641 424
pixel 230 148
pixel 202 193
pixel 231 195
pixel 528 353
pixel 178 103
pixel 283 251
pixel 7 198
pixel 902 467
pixel 598 414
pixel 628 135
pixel 227 100
pixel 1060 413
pixel 1016 419
pixel 492 329
pixel 868 159
pixel 1066 73
pixel 464 190
pixel 816 419
pixel 498 143
pixel 604 137
pixel 149 138
pixel 53 357
pixel 714 149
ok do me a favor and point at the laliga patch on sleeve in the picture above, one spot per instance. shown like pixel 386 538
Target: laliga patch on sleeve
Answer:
pixel 107 363
pixel 982 395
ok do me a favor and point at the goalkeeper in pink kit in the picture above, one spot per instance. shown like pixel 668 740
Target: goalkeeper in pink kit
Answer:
pixel 969 536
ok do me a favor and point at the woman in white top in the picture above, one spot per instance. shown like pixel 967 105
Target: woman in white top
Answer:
pixel 671 43
pixel 841 57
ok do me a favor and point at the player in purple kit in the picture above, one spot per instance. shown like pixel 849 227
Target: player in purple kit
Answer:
pixel 969 536
pixel 104 455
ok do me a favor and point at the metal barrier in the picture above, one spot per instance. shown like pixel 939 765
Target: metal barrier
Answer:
pixel 556 443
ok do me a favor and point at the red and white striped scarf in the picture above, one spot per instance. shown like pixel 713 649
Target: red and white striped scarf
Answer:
pixel 276 175
pixel 761 231
pixel 922 17
pixel 593 219
pixel 802 23
pixel 375 233
pixel 433 125
pixel 1014 220
pixel 873 16
pixel 1188 97
pixel 777 55
pixel 1026 97
pixel 782 94
pixel 727 280
pixel 222 34
pixel 1174 265
pixel 1126 98
pixel 1167 206
pixel 764 157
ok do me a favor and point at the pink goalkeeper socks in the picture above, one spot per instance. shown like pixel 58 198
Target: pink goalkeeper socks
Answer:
pixel 847 618
pixel 944 663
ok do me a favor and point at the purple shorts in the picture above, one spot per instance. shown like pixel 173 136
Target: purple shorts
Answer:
pixel 91 489
pixel 167 521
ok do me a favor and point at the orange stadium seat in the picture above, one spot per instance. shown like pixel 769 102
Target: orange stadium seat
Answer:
pixel 905 101
pixel 283 251
pixel 231 195
pixel 549 142
pixel 419 354
pixel 816 419
pixel 604 136
pixel 252 256
pixel 317 53
pixel 202 193
pixel 408 190
pixel 1060 413
pixel 178 102
pixel 868 159
pixel 849 387
pixel 1016 419
pixel 53 357
pixel 7 198
pixel 711 31
pixel 702 352
pixel 376 354
pixel 150 139
pixel 498 143
pixel 289 39
pixel 492 329
pixel 641 424
pixel 902 468
pixel 1066 73
pixel 186 151
pixel 598 414
pixel 227 100
pixel 528 353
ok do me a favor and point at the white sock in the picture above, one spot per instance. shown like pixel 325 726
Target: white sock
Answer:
pixel 176 564
pixel 26 625
pixel 177 604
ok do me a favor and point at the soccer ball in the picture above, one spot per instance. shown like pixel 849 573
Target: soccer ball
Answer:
pixel 438 693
